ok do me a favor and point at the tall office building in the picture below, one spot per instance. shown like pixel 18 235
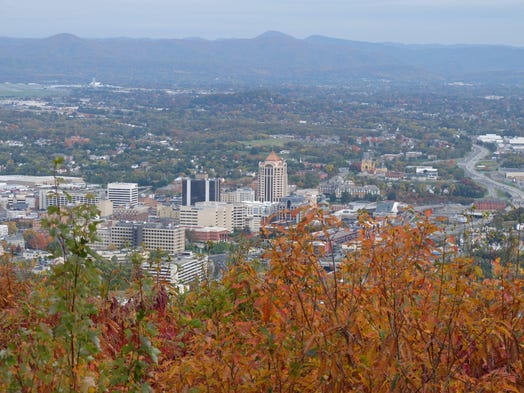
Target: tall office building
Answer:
pixel 272 178
pixel 123 194
pixel 200 190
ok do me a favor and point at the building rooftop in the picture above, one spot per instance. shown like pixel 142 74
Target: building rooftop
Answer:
pixel 273 157
pixel 122 185
pixel 41 180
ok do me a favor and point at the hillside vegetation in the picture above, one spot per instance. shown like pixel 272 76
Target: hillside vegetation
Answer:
pixel 398 316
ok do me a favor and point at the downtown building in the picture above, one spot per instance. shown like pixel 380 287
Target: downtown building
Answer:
pixel 244 194
pixel 229 216
pixel 200 190
pixel 50 197
pixel 123 194
pixel 215 216
pixel 181 271
pixel 134 235
pixel 272 179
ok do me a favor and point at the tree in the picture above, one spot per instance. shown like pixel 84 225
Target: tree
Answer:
pixel 12 228
pixel 36 240
pixel 401 313
pixel 395 317
pixel 60 339
pixel 345 197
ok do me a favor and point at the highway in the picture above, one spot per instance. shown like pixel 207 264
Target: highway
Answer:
pixel 469 163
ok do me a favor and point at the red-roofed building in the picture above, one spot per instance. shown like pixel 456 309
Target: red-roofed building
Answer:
pixel 490 205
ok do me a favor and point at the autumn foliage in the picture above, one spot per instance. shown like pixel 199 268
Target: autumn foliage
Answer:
pixel 398 315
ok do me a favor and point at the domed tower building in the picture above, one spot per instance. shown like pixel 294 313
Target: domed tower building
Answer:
pixel 272 178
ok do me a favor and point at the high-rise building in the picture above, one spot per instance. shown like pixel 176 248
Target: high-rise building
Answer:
pixel 200 190
pixel 272 178
pixel 123 194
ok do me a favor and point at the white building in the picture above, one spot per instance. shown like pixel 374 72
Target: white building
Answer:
pixel 181 270
pixel 244 194
pixel 517 143
pixel 149 236
pixel 163 271
pixel 256 212
pixel 426 173
pixel 490 138
pixel 191 267
pixel 37 181
pixel 49 197
pixel 105 207
pixel 213 214
pixel 123 194
pixel 4 231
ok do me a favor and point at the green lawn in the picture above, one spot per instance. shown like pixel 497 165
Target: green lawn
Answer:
pixel 272 142
pixel 487 165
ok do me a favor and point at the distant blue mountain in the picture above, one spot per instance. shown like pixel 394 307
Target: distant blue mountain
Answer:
pixel 271 58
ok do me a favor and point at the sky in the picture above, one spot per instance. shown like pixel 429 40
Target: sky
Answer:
pixel 402 21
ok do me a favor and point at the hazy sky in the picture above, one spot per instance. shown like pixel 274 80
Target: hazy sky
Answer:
pixel 406 21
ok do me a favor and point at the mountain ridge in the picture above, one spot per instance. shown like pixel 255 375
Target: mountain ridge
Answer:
pixel 269 58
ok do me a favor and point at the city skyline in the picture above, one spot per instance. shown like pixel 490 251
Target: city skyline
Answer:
pixel 403 21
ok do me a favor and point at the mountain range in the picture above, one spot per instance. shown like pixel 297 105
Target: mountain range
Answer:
pixel 271 58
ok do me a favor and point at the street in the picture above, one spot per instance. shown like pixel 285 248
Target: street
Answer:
pixel 469 163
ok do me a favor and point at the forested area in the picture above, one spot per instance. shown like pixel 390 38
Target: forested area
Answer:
pixel 153 136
